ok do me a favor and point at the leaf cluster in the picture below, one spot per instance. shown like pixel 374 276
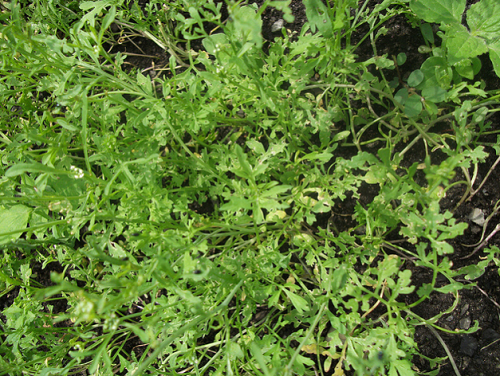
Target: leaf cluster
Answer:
pixel 183 214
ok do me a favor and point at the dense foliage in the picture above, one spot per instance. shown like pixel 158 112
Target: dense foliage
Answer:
pixel 193 210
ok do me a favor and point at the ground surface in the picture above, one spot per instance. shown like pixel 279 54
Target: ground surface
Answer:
pixel 475 354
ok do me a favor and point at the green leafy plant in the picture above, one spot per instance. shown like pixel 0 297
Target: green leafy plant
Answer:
pixel 463 43
pixel 182 213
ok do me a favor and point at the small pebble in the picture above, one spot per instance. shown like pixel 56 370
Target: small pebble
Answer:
pixel 464 310
pixel 465 323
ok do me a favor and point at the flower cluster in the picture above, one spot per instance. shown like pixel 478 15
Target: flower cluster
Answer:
pixel 77 172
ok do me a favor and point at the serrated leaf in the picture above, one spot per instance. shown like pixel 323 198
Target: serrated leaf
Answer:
pixel 473 271
pixel 384 5
pixel 462 45
pixel 425 290
pixel 275 191
pixel 439 11
pixel 284 6
pixel 483 19
pixel 236 203
pixel 450 287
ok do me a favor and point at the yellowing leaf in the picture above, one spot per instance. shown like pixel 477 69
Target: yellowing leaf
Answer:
pixel 311 349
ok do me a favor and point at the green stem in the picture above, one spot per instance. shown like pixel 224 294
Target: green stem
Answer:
pixel 288 368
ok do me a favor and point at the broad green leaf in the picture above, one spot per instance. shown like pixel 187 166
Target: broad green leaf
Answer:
pixel 341 136
pixel 234 350
pixel 462 45
pixel 413 105
pixel 464 68
pixel 339 278
pixel 256 146
pixel 145 83
pixel 444 75
pixel 63 123
pixel 431 108
pixel 427 32
pixel 439 11
pixel 21 168
pixel 317 14
pixel 401 96
pixel 494 50
pixel 298 302
pixel 401 58
pixel 473 271
pixel 323 157
pixel 12 219
pixel 430 69
pixel 415 78
pixel 246 27
pixel 483 19
pixel 434 94
pixel 218 45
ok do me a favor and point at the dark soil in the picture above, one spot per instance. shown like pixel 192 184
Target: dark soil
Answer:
pixel 474 354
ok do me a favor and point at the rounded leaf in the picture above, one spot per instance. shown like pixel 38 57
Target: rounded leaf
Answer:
pixel 413 106
pixel 434 94
pixel 416 77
